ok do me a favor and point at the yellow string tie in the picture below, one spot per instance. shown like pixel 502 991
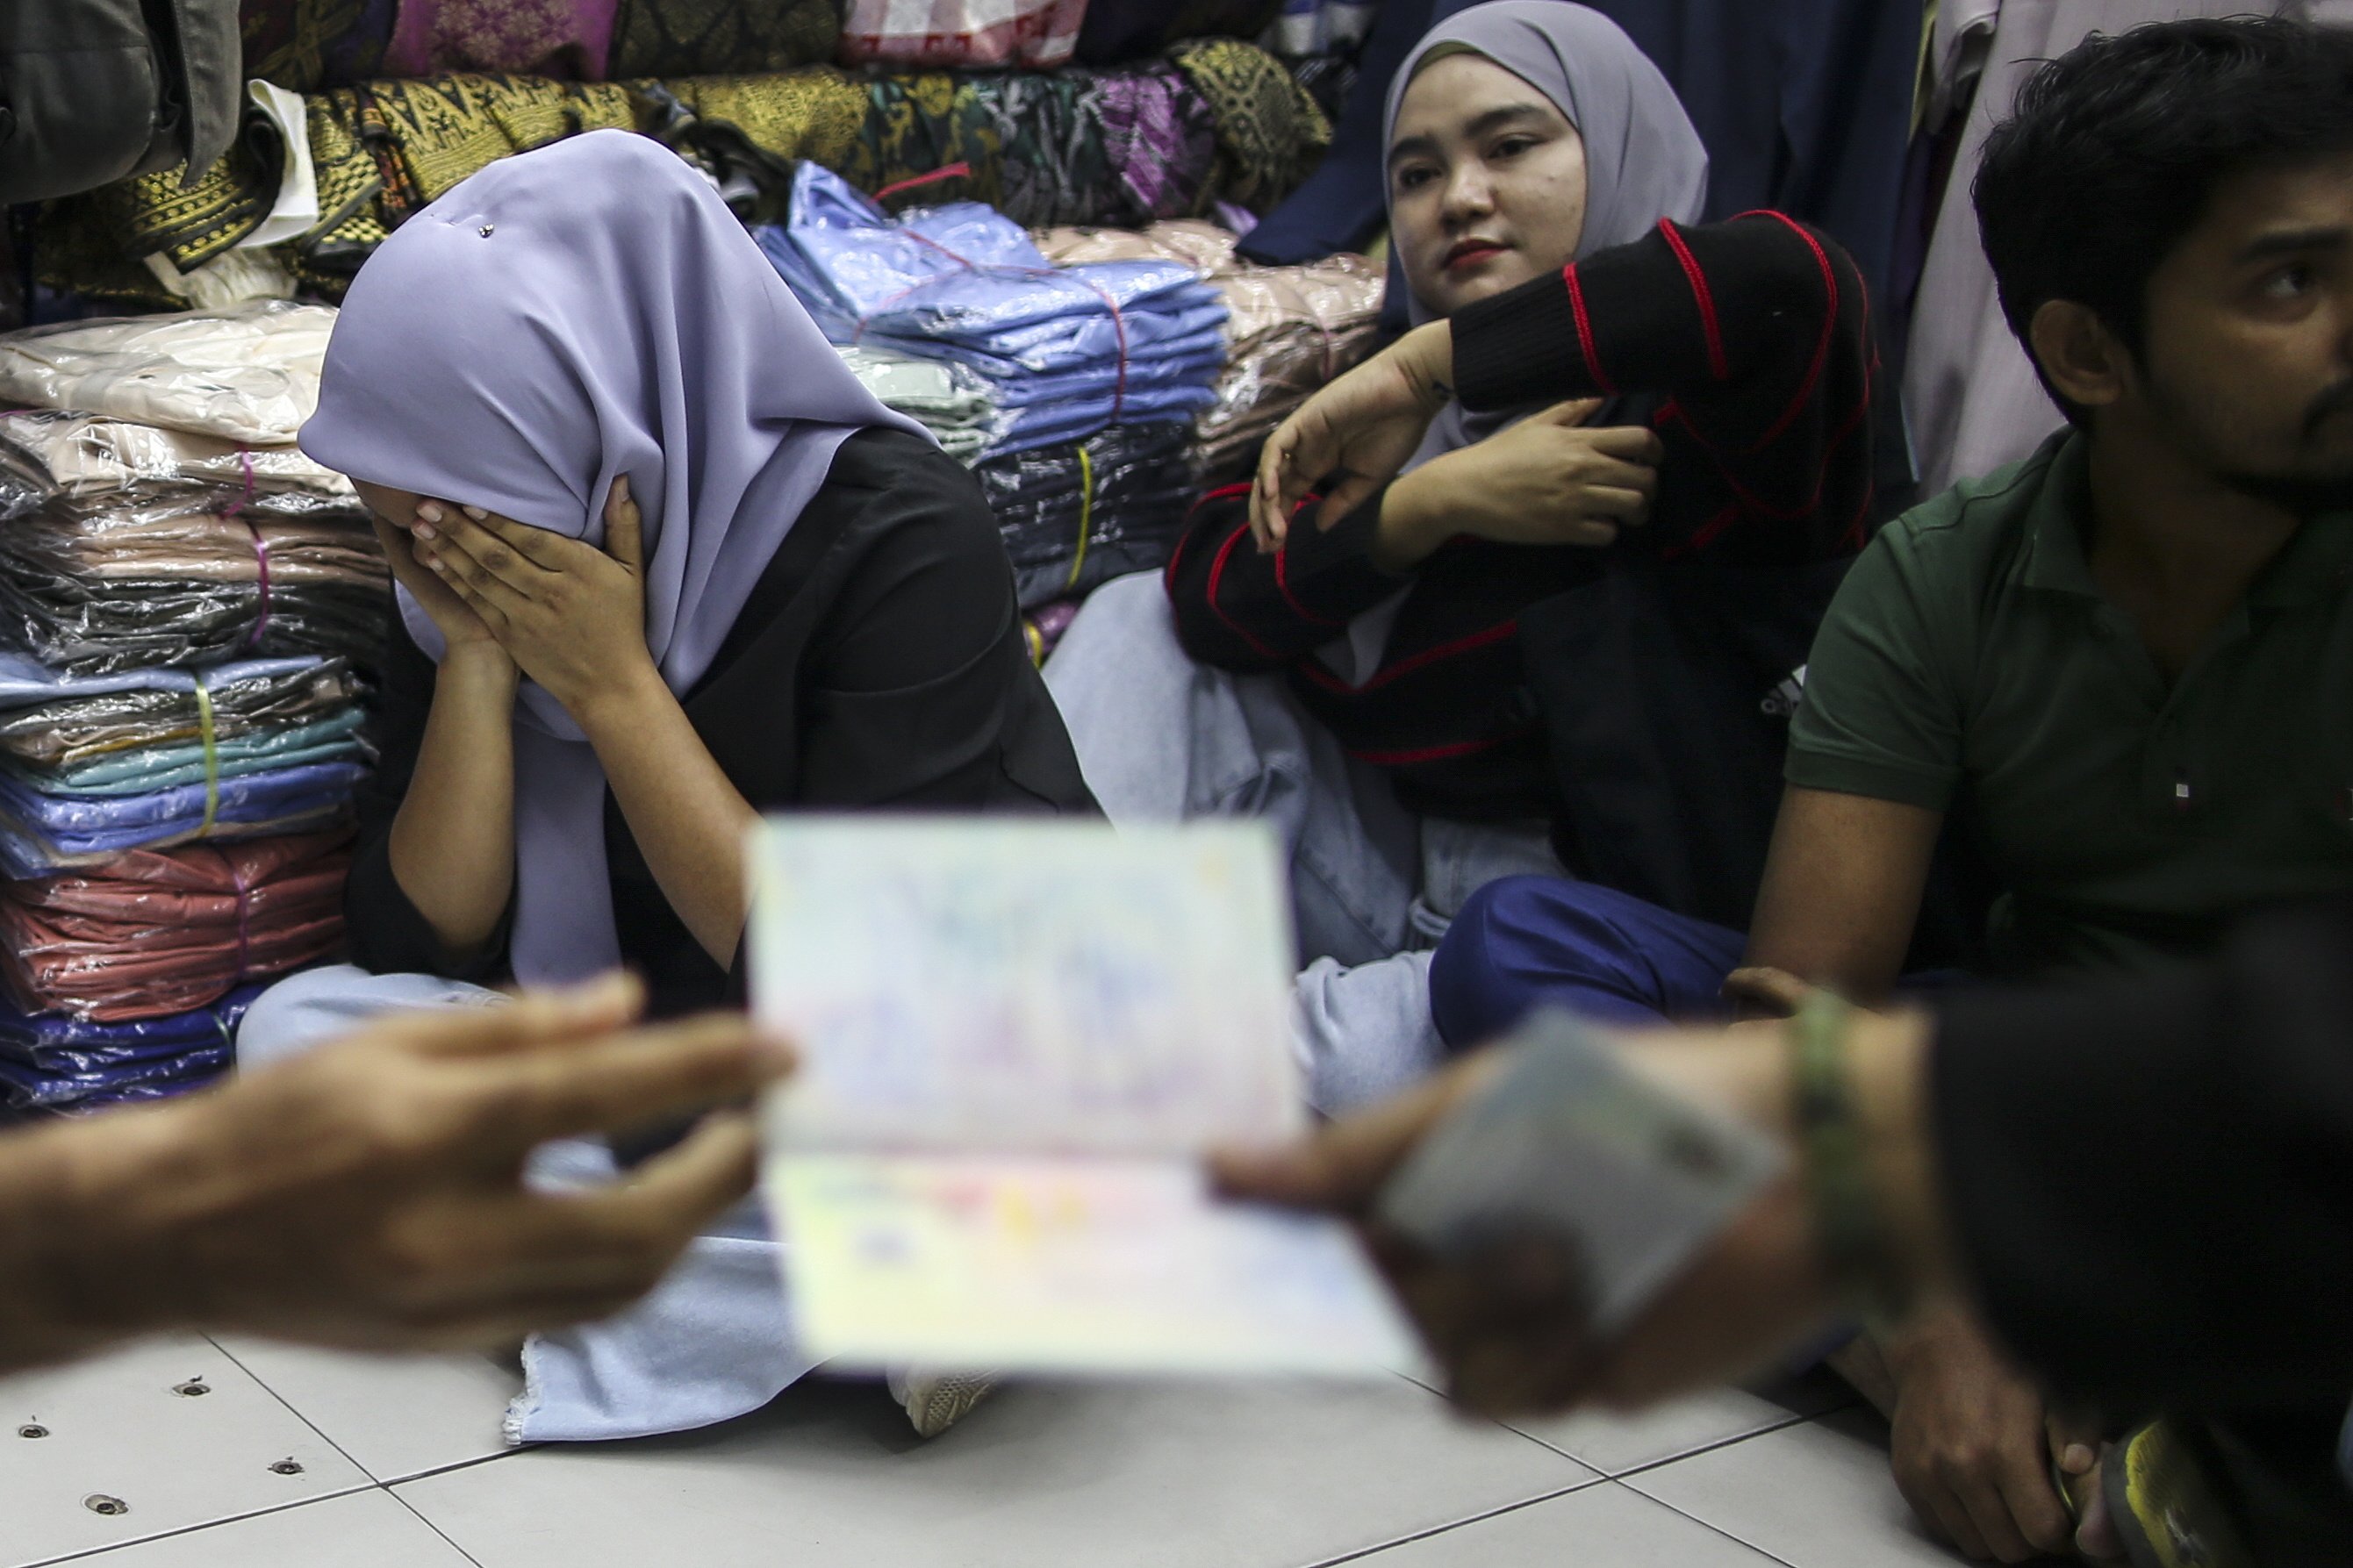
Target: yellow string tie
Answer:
pixel 1086 514
pixel 212 756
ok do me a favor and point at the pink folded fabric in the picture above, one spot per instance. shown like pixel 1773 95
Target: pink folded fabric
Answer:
pixel 155 932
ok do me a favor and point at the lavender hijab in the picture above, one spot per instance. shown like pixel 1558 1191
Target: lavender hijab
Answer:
pixel 562 318
pixel 1643 160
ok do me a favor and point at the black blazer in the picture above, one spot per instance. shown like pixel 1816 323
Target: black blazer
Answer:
pixel 879 663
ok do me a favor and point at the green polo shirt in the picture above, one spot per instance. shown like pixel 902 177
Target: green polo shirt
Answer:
pixel 1969 665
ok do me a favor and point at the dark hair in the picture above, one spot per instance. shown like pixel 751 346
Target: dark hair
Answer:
pixel 2115 148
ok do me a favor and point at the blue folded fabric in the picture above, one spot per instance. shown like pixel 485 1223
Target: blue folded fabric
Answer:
pixel 41 833
pixel 51 1063
pixel 1099 342
pixel 26 680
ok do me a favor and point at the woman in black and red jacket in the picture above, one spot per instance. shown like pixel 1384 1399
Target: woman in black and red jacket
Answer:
pixel 1569 633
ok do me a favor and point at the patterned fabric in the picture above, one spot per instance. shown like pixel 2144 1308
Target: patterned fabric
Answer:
pixel 567 40
pixel 1271 134
pixel 446 128
pixel 815 114
pixel 386 148
pixel 713 37
pixel 306 44
pixel 151 213
pixel 1036 34
pixel 918 125
pixel 1159 133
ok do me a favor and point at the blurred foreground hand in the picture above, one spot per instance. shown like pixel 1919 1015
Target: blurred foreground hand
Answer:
pixel 1509 1325
pixel 370 1194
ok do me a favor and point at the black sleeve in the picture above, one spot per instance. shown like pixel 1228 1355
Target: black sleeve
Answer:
pixel 919 690
pixel 1238 610
pixel 1756 332
pixel 2152 1179
pixel 383 928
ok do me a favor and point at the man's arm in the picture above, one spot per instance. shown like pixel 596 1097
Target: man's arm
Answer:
pixel 1842 890
pixel 370 1195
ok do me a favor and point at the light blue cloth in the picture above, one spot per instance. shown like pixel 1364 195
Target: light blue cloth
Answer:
pixel 712 1342
pixel 1161 739
pixel 1065 349
pixel 44 833
pixel 25 682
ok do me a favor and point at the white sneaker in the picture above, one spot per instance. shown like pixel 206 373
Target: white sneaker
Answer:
pixel 935 1401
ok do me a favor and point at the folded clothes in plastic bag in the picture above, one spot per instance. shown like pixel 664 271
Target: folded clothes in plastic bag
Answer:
pixel 333 739
pixel 1290 329
pixel 963 282
pixel 74 454
pixel 154 933
pixel 1075 516
pixel 40 832
pixel 49 719
pixel 125 626
pixel 190 583
pixel 70 1064
pixel 950 400
pixel 249 373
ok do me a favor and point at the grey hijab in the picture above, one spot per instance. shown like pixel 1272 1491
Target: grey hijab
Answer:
pixel 1643 162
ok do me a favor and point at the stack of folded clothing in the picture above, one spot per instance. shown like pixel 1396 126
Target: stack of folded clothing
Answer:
pixel 948 399
pixel 1290 329
pixel 1064 352
pixel 94 767
pixel 175 802
pixel 98 587
pixel 171 928
pixel 69 1065
pixel 1076 516
pixel 158 513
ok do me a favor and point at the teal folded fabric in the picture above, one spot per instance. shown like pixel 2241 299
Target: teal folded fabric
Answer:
pixel 332 739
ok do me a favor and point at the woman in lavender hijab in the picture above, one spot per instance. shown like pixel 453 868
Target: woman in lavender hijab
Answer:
pixel 663 564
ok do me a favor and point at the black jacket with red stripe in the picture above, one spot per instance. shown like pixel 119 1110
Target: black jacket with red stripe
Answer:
pixel 1748 345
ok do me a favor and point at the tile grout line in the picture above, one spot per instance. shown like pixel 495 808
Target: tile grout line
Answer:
pixel 1407 1540
pixel 433 1527
pixel 1647 1466
pixel 387 1482
pixel 370 1486
pixel 432 1471
pixel 349 1457
pixel 1705 1524
pixel 1472 1418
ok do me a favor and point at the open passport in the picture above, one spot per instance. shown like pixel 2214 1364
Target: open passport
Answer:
pixel 1017 1039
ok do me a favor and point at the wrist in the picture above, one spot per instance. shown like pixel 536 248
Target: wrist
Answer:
pixel 620 701
pixel 1427 353
pixel 1855 1088
pixel 1409 528
pixel 482 669
pixel 1889 1057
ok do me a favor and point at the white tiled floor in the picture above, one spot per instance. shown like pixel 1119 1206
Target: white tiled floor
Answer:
pixel 402 1466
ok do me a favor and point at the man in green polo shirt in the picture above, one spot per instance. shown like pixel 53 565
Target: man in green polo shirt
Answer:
pixel 2122 670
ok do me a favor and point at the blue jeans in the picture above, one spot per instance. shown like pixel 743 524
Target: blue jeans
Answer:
pixel 1527 941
